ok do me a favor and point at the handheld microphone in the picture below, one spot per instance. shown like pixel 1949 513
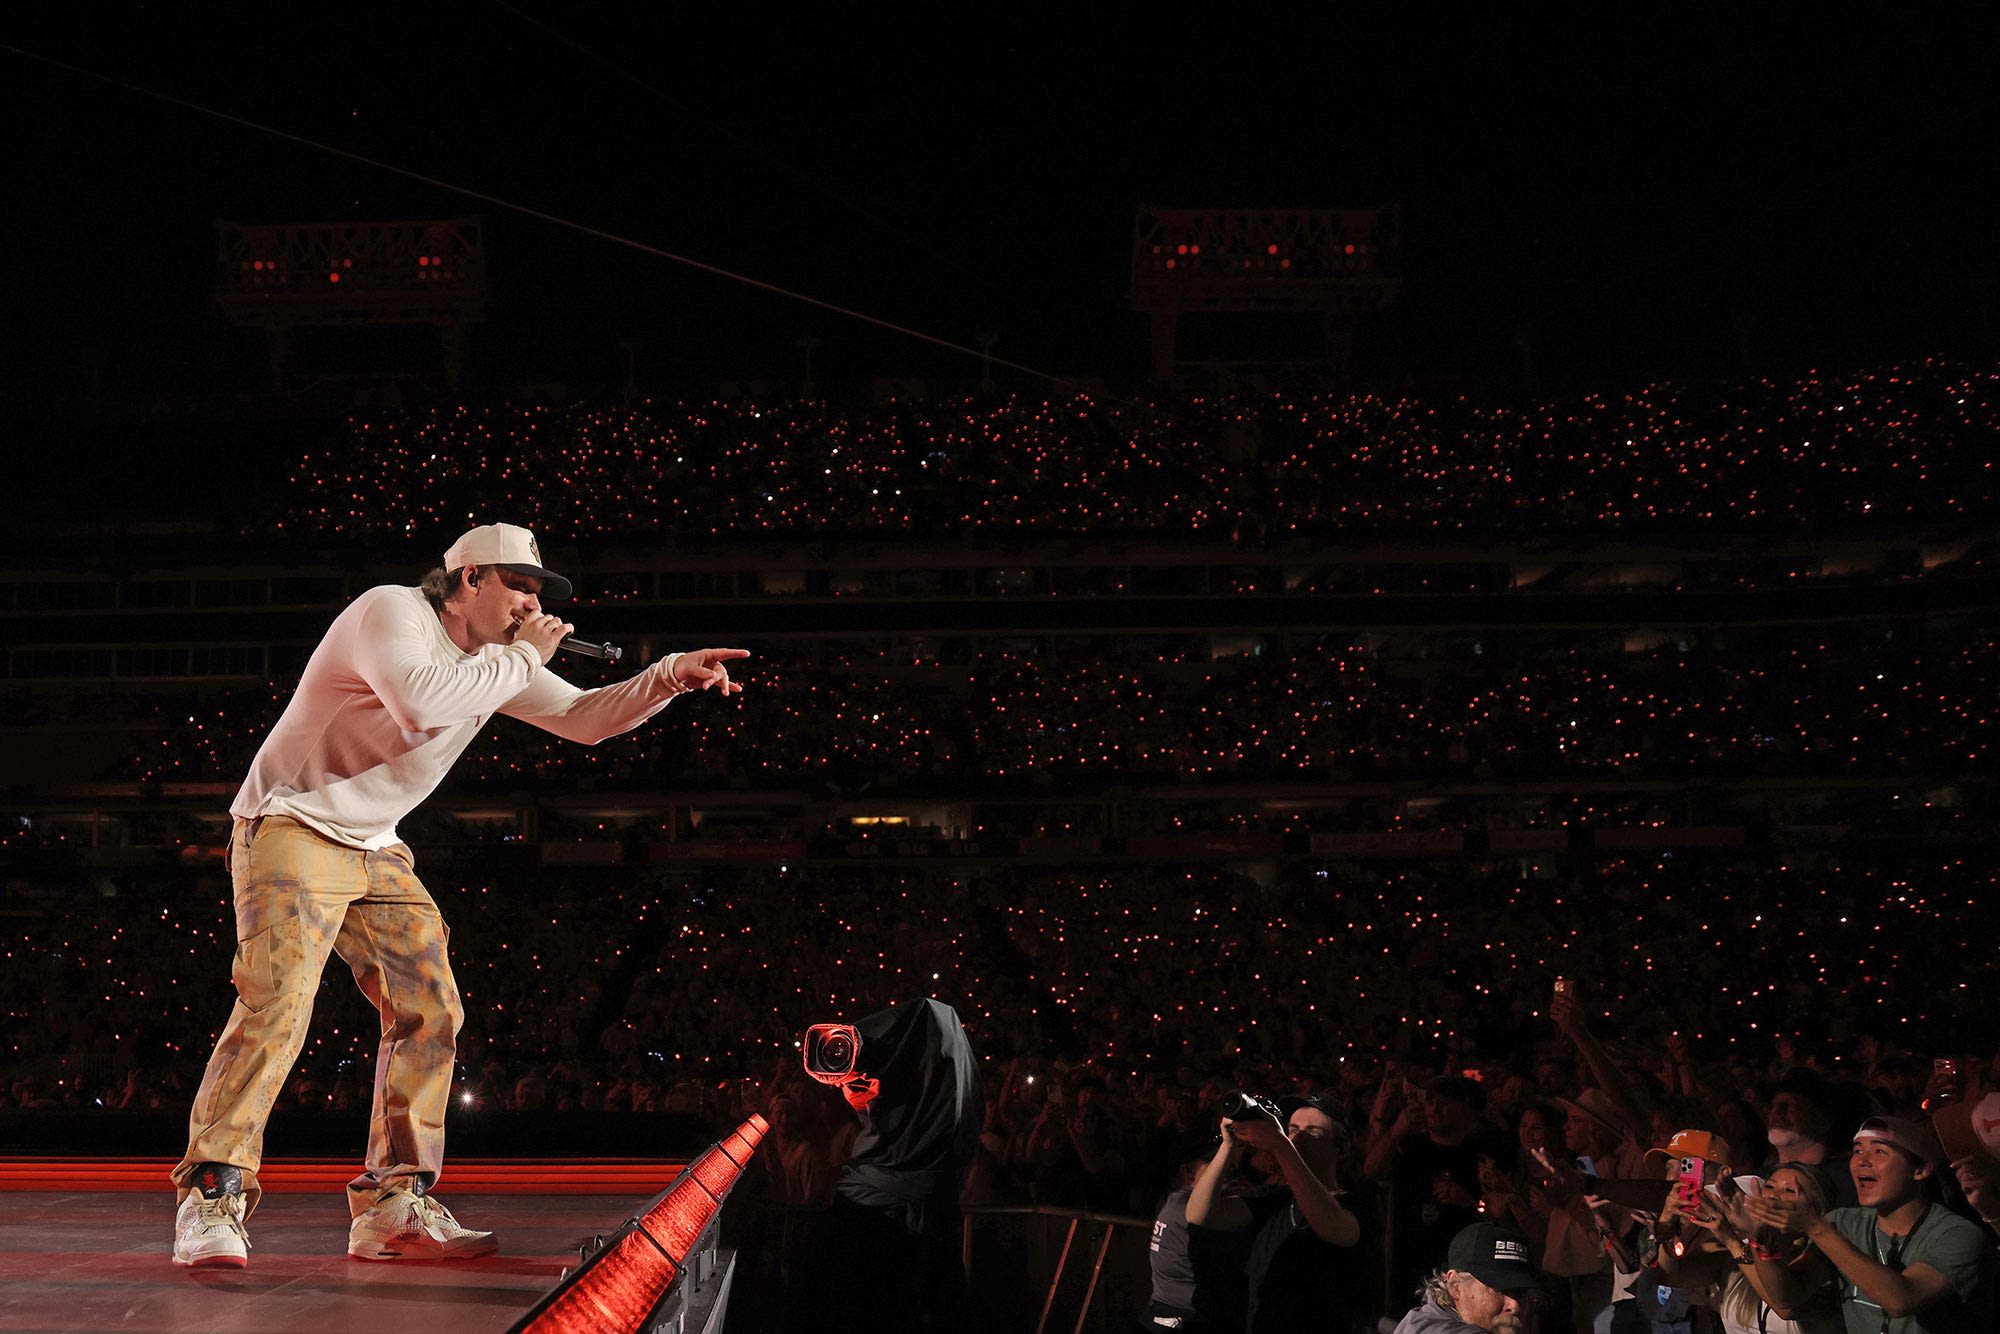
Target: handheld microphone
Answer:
pixel 583 648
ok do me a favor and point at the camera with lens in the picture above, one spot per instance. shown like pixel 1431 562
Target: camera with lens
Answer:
pixel 831 1052
pixel 1238 1104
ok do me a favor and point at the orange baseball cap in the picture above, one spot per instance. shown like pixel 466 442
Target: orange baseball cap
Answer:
pixel 1703 1144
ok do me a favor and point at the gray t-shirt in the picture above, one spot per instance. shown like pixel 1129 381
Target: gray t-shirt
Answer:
pixel 1945 1242
pixel 1173 1267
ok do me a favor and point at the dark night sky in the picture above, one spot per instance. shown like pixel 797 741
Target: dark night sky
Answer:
pixel 1637 196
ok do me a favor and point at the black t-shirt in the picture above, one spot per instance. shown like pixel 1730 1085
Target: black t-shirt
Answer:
pixel 1298 1283
pixel 1424 1227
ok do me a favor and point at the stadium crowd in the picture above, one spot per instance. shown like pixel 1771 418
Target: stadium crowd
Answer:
pixel 1773 997
pixel 1893 445
pixel 1114 1009
pixel 711 973
pixel 1865 700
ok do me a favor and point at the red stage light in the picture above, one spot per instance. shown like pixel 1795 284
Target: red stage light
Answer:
pixel 677 1221
pixel 715 1172
pixel 620 1290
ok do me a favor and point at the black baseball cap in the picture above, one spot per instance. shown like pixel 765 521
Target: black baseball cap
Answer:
pixel 1467 1091
pixel 1495 1256
pixel 1319 1102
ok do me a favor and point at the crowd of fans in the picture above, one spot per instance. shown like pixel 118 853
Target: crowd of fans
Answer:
pixel 1854 702
pixel 1755 994
pixel 711 975
pixel 1111 1010
pixel 1891 445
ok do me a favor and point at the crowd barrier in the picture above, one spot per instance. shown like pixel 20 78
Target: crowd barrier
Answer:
pixel 1124 1272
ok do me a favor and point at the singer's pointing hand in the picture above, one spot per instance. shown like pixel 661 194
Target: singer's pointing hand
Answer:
pixel 703 669
pixel 543 632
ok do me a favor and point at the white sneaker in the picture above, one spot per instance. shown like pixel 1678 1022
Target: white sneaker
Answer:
pixel 406 1226
pixel 208 1232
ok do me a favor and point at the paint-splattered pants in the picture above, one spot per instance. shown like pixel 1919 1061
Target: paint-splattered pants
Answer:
pixel 300 896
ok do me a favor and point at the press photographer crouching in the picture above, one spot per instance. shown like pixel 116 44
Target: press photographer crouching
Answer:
pixel 1304 1273
pixel 1484 1286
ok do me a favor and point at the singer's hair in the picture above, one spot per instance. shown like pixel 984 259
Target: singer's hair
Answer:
pixel 441 585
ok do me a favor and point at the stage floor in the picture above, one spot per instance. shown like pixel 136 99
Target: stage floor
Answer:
pixel 100 1260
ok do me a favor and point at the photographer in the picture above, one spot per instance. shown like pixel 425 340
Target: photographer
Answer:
pixel 1303 1270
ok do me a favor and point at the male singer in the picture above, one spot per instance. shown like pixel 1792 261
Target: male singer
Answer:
pixel 401 684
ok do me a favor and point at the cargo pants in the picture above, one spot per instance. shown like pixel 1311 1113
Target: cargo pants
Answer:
pixel 300 896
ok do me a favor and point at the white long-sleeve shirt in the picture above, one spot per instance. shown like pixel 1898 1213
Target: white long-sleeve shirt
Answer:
pixel 388 702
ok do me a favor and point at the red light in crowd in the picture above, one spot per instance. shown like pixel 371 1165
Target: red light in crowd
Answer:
pixel 333 277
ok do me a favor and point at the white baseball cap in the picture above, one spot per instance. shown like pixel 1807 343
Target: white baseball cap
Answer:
pixel 511 547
